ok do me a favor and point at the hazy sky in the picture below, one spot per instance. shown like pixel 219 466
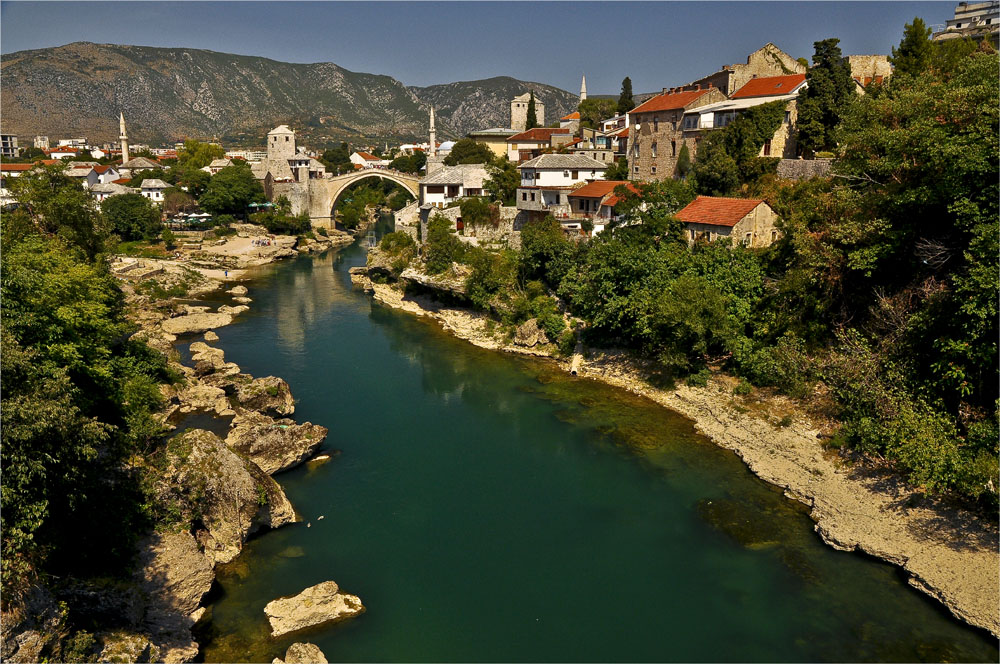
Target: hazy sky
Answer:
pixel 421 43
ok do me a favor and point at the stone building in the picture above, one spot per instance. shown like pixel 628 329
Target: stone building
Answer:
pixel 519 112
pixel 748 221
pixel 547 181
pixel 768 60
pixel 866 69
pixel 450 183
pixel 8 146
pixel 658 132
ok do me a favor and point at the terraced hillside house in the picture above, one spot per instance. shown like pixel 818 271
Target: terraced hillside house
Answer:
pixel 153 189
pixel 749 221
pixel 547 181
pixel 367 160
pixel 595 202
pixel 657 131
pixel 450 183
pixel 10 172
pixel 531 143
pixel 756 92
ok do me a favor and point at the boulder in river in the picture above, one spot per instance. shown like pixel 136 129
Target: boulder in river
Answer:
pixel 238 290
pixel 269 395
pixel 233 311
pixel 317 605
pixel 211 336
pixel 302 653
pixel 274 445
pixel 195 323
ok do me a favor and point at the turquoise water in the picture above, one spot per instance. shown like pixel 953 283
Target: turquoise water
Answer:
pixel 492 508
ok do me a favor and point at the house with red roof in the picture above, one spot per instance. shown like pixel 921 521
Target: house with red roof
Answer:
pixel 596 202
pixel 749 221
pixel 368 160
pixel 531 143
pixel 571 121
pixel 657 131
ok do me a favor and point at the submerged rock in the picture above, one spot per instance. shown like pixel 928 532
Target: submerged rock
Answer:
pixel 274 445
pixel 231 495
pixel 302 653
pixel 211 336
pixel 195 323
pixel 269 395
pixel 233 311
pixel 320 604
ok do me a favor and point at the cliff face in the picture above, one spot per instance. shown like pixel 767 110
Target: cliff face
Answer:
pixel 171 93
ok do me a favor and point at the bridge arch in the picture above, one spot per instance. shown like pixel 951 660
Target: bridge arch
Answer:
pixel 325 193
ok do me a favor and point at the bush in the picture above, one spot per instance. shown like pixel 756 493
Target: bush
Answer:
pixel 395 242
pixel 132 217
pixel 322 231
pixel 786 365
pixel 443 247
pixel 566 343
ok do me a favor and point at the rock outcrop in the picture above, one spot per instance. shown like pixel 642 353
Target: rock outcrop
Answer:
pixel 302 653
pixel 269 395
pixel 232 497
pixel 195 323
pixel 30 633
pixel 274 445
pixel 238 290
pixel 528 334
pixel 317 605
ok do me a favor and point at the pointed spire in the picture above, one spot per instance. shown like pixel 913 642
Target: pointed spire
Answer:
pixel 433 148
pixel 123 138
pixel 583 88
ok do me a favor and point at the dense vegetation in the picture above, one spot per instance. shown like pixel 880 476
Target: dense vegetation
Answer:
pixel 78 392
pixel 883 285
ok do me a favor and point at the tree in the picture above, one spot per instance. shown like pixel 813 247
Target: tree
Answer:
pixel 412 163
pixel 913 56
pixel 195 154
pixel 593 110
pixel 503 181
pixel 715 171
pixel 132 217
pixel 232 190
pixel 443 247
pixel 337 159
pixel 625 101
pixel 617 170
pixel 683 161
pixel 826 99
pixel 468 151
pixel 532 118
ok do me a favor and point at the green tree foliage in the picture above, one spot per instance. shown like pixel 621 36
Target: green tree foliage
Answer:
pixel 716 172
pixel 618 170
pixel 827 98
pixel 913 56
pixel 409 163
pixel 150 174
pixel 468 151
pixel 443 247
pixel 728 159
pixel 532 116
pixel 338 159
pixel 132 217
pixel 195 154
pixel 56 204
pixel 175 200
pixel 478 212
pixel 593 110
pixel 503 181
pixel 282 223
pixel 232 190
pixel 625 101
pixel 545 251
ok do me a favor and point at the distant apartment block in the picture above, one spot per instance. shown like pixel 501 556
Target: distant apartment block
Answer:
pixel 8 146
pixel 978 20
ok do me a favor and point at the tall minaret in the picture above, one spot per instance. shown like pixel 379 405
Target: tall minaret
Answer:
pixel 433 149
pixel 123 138
pixel 583 89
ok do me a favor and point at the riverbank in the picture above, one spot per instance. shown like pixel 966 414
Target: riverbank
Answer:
pixel 947 553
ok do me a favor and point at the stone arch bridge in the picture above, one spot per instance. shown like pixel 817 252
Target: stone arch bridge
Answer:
pixel 319 196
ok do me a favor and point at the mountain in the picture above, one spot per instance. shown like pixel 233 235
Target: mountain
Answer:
pixel 470 105
pixel 168 94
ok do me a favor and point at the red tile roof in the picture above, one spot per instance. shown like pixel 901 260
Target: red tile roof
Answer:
pixel 536 135
pixel 718 211
pixel 122 181
pixel 575 115
pixel 367 156
pixel 49 162
pixel 100 170
pixel 669 101
pixel 769 86
pixel 622 133
pixel 600 188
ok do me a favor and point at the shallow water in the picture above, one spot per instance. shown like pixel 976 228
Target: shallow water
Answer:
pixel 487 507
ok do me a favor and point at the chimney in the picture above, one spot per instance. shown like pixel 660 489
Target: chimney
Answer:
pixel 709 86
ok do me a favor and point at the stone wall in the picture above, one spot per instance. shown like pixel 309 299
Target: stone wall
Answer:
pixel 408 220
pixel 505 233
pixel 768 60
pixel 800 169
pixel 869 66
pixel 668 134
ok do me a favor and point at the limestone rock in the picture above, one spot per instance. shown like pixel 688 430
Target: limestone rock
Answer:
pixel 195 323
pixel 242 300
pixel 269 395
pixel 320 604
pixel 233 497
pixel 274 445
pixel 174 575
pixel 199 396
pixel 233 311
pixel 302 653
pixel 529 334
pixel 124 648
pixel 451 281
pixel 200 351
pixel 211 336
pixel 238 290
pixel 30 632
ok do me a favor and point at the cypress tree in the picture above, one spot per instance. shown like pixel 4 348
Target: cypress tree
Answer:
pixel 914 53
pixel 822 104
pixel 625 101
pixel 532 120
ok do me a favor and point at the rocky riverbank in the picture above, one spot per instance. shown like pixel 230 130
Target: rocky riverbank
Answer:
pixel 947 553
pixel 212 490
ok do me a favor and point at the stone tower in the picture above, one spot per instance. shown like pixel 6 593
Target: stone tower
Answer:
pixel 280 144
pixel 519 112
pixel 433 148
pixel 123 137
pixel 583 89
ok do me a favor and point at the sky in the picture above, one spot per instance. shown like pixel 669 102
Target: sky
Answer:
pixel 657 44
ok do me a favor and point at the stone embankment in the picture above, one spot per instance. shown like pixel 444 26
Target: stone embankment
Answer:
pixel 948 553
pixel 218 492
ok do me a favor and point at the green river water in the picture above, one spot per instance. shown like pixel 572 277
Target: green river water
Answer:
pixel 487 507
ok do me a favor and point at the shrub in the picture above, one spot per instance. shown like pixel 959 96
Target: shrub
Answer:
pixel 443 247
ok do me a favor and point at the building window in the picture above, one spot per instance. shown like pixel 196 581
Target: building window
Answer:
pixel 286 139
pixel 767 148
pixel 747 240
pixel 652 169
pixel 656 123
pixel 635 148
pixel 673 148
pixel 636 169
pixel 690 122
pixel 532 195
pixel 774 235
pixel 652 150
pixel 576 175
pixel 692 234
pixel 788 117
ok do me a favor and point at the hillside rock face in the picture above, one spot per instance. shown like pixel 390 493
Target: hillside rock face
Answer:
pixel 168 94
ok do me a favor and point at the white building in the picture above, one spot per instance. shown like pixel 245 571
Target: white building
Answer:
pixel 153 189
pixel 450 183
pixel 367 160
pixel 102 192
pixel 547 181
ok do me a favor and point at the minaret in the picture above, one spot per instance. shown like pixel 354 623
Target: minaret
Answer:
pixel 433 149
pixel 583 89
pixel 123 138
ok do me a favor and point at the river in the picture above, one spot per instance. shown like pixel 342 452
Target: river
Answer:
pixel 487 507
